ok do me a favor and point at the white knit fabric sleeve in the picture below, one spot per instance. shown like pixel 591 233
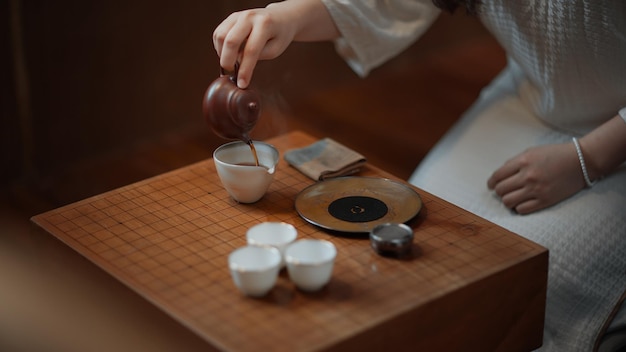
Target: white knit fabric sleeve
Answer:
pixel 622 113
pixel 373 31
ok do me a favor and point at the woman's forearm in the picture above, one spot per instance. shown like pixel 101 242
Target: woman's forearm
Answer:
pixel 312 20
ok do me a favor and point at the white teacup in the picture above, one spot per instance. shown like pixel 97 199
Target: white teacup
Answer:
pixel 254 269
pixel 275 234
pixel 236 167
pixel 310 263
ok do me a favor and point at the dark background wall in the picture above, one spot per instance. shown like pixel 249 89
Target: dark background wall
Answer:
pixel 84 80
pixel 89 76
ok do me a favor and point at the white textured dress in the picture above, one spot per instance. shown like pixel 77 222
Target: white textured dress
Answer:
pixel 566 75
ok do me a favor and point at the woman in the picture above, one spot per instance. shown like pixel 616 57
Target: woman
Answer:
pixel 542 152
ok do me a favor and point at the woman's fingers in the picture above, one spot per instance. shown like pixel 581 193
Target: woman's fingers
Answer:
pixel 233 44
pixel 509 169
pixel 520 199
pixel 507 185
pixel 510 183
pixel 247 37
pixel 529 206
pixel 254 48
pixel 221 31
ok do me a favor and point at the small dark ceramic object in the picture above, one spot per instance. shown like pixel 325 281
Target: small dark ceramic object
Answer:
pixel 391 239
pixel 230 111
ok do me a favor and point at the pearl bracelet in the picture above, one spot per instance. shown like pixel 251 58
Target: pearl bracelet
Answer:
pixel 582 163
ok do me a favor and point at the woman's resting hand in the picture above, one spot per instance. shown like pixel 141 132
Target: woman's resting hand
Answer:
pixel 538 178
pixel 545 175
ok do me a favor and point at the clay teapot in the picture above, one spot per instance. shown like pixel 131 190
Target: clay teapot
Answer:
pixel 230 111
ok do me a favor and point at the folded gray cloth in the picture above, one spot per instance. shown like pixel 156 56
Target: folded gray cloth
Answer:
pixel 324 159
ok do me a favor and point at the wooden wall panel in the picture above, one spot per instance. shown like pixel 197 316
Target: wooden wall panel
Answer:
pixel 105 78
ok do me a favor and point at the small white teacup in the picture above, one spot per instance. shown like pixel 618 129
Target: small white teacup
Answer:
pixel 236 168
pixel 310 263
pixel 254 269
pixel 275 234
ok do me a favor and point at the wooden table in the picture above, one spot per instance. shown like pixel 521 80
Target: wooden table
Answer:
pixel 470 285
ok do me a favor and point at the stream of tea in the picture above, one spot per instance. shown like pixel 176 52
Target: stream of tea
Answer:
pixel 253 149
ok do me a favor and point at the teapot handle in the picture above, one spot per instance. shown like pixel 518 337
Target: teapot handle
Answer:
pixel 232 75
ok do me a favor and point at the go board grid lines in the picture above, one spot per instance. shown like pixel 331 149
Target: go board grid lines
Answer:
pixel 168 238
